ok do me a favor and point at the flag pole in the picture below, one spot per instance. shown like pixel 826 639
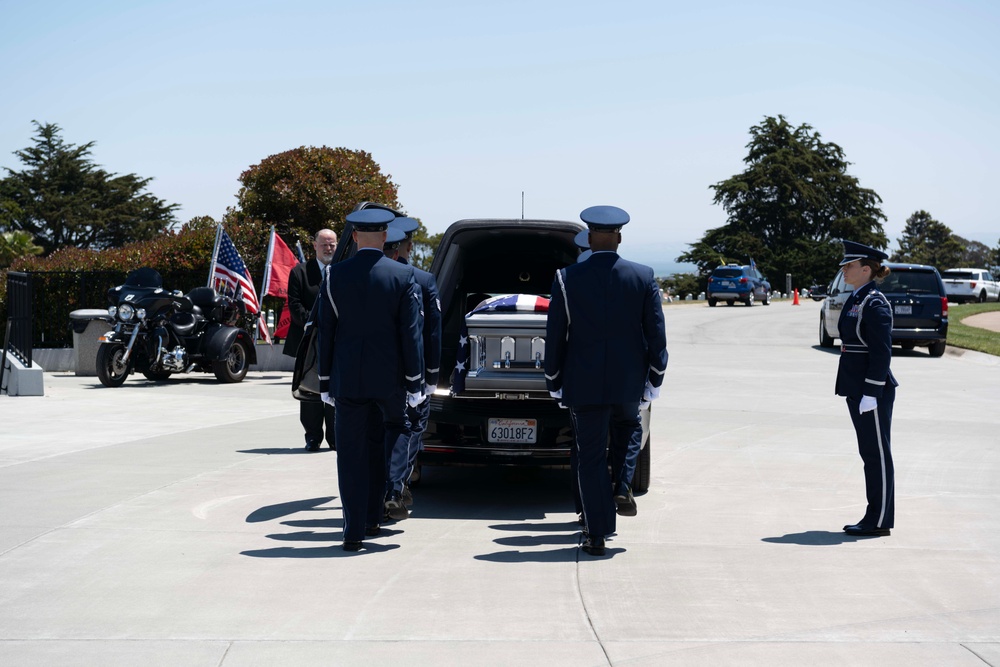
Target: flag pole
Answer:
pixel 267 267
pixel 215 254
pixel 298 246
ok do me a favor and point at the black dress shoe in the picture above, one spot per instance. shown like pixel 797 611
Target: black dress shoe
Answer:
pixel 395 508
pixel 311 445
pixel 871 531
pixel 372 531
pixel 594 546
pixel 352 545
pixel 625 502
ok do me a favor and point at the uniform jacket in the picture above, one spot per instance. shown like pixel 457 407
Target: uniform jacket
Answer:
pixel 604 337
pixel 432 323
pixel 370 341
pixel 303 286
pixel 865 327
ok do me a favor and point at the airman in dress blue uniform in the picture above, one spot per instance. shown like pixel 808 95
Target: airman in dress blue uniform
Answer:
pixel 626 435
pixel 371 356
pixel 404 455
pixel 865 379
pixel 606 351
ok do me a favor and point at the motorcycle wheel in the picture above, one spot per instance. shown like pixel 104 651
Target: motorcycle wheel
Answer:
pixel 234 366
pixel 111 369
pixel 157 376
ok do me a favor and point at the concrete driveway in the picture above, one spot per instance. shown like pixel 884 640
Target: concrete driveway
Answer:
pixel 181 524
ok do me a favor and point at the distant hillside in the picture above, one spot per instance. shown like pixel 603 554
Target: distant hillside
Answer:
pixel 658 256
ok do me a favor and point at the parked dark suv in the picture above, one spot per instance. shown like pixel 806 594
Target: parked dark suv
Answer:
pixel 919 307
pixel 732 283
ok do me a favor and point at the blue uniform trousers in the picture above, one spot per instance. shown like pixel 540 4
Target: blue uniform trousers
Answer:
pixel 365 428
pixel 404 452
pixel 873 429
pixel 623 453
pixel 591 424
pixel 626 442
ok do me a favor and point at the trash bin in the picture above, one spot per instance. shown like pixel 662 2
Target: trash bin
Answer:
pixel 89 324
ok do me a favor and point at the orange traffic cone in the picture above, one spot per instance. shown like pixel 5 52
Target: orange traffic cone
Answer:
pixel 795 301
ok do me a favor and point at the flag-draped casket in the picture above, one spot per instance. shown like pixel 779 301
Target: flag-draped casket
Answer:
pixel 502 347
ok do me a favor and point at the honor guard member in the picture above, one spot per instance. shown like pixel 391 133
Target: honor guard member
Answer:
pixel 582 241
pixel 626 435
pixel 371 355
pixel 303 286
pixel 404 457
pixel 864 377
pixel 606 351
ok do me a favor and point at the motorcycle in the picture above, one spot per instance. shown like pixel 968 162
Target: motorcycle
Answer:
pixel 159 333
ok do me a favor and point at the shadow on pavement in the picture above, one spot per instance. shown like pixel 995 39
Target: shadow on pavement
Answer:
pixel 508 494
pixel 816 538
pixel 333 551
pixel 282 450
pixel 271 512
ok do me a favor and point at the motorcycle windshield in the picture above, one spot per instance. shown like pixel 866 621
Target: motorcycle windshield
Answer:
pixel 144 277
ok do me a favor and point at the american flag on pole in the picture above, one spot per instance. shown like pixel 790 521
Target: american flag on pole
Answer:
pixel 232 273
pixel 505 303
pixel 230 269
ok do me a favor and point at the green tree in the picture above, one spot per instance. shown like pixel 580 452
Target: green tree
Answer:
pixel 975 255
pixel 680 285
pixel 16 244
pixel 790 208
pixel 64 200
pixel 306 189
pixel 927 241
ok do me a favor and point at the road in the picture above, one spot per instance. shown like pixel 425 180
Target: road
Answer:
pixel 181 524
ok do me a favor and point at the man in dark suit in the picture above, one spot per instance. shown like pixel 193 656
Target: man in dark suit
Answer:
pixel 404 455
pixel 606 351
pixel 370 356
pixel 303 286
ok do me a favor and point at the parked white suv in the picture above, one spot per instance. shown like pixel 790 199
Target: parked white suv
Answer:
pixel 970 285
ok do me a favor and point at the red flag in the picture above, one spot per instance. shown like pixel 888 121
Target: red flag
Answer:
pixel 282 261
pixel 284 321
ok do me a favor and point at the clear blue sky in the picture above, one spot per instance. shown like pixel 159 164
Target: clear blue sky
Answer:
pixel 643 105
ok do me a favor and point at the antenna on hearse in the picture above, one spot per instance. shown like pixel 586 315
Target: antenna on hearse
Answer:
pixel 522 204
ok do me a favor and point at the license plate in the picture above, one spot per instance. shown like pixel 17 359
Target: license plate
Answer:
pixel 904 310
pixel 515 431
pixel 726 283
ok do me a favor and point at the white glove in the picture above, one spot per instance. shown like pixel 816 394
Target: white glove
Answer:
pixel 557 394
pixel 650 393
pixel 415 398
pixel 429 389
pixel 868 403
pixel 643 405
pixel 326 397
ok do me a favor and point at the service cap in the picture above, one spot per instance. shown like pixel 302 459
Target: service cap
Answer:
pixel 581 240
pixel 370 219
pixel 604 218
pixel 855 251
pixel 407 225
pixel 584 256
pixel 393 237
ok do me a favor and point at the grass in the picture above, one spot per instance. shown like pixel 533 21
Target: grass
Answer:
pixel 972 338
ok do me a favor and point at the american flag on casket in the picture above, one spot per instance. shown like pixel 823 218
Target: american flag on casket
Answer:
pixel 505 303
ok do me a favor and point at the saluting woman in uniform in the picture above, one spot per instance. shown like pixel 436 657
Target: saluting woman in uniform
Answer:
pixel 865 379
